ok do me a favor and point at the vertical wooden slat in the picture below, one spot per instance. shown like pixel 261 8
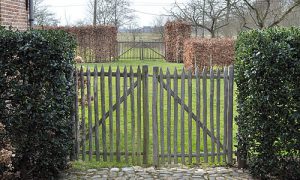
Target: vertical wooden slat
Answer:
pixel 77 115
pixel 198 110
pixel 102 83
pixel 139 114
pixel 125 114
pixel 190 127
pixel 204 81
pixel 83 138
pixel 89 114
pixel 218 115
pixel 132 114
pixel 161 111
pixel 230 114
pixel 225 113
pixel 168 115
pixel 118 103
pixel 110 90
pixel 211 116
pixel 175 115
pixel 182 117
pixel 96 110
pixel 154 116
pixel 145 115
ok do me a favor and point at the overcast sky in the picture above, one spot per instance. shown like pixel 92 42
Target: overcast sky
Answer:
pixel 71 11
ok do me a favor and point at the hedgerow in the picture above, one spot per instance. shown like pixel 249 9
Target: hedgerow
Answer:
pixel 268 82
pixel 36 96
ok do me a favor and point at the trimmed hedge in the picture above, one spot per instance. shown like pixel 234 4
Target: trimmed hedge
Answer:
pixel 176 32
pixel 268 83
pixel 36 91
pixel 95 43
pixel 203 52
pixel 6 152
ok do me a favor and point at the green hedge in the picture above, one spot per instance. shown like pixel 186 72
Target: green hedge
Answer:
pixel 267 70
pixel 36 91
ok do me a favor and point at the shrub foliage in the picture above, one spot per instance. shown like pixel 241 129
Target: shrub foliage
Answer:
pixel 176 32
pixel 36 91
pixel 268 82
pixel 203 52
pixel 95 43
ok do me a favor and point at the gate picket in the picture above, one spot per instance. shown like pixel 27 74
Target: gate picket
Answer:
pixel 89 114
pixel 230 115
pixel 102 82
pixel 218 115
pixel 182 117
pixel 132 114
pixel 125 114
pixel 169 115
pixel 96 108
pixel 110 114
pixel 118 129
pixel 204 115
pixel 198 98
pixel 77 132
pixel 176 101
pixel 190 115
pixel 145 115
pixel 139 114
pixel 211 111
pixel 161 111
pixel 82 113
pixel 155 116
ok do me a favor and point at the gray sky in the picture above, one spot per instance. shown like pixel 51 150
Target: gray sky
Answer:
pixel 70 11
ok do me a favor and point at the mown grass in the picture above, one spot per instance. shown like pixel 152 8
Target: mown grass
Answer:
pixel 164 65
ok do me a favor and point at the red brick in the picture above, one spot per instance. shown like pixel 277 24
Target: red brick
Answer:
pixel 13 13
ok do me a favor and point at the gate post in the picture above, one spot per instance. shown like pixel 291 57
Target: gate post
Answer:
pixel 145 114
pixel 230 115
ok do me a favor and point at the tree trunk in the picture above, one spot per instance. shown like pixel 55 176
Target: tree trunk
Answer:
pixel 228 10
pixel 95 13
pixel 212 33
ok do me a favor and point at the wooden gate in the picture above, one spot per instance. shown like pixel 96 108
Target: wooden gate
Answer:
pixel 154 119
pixel 141 50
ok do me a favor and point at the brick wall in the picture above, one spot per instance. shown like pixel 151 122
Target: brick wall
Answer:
pixel 14 13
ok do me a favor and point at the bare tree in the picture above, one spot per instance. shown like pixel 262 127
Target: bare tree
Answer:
pixel 110 12
pixel 264 13
pixel 134 30
pixel 210 15
pixel 158 25
pixel 42 16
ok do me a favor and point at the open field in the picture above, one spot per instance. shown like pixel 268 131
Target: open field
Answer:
pixel 164 65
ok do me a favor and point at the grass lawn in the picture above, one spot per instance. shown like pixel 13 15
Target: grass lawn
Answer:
pixel 112 144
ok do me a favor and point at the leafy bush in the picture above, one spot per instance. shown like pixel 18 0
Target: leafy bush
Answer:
pixel 268 82
pixel 6 153
pixel 36 91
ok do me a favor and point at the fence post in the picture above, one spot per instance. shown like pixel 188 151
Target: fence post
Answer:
pixel 145 114
pixel 154 117
pixel 230 115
